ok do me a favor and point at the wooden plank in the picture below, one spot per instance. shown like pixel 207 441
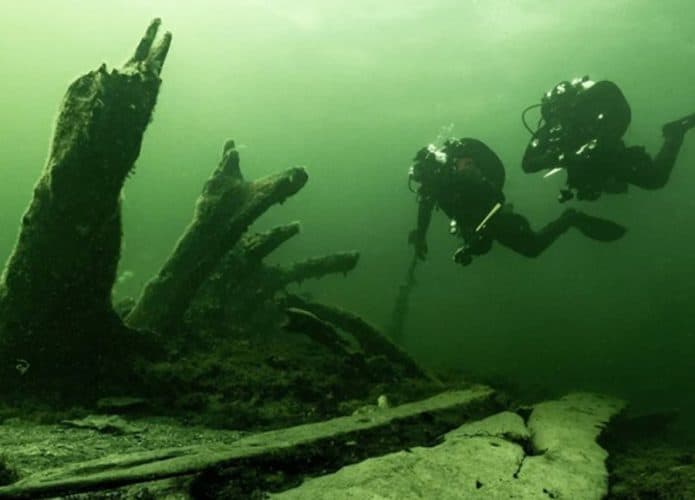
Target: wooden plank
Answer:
pixel 443 411
pixel 555 455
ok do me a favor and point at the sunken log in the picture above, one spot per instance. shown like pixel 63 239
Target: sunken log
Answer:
pixel 55 293
pixel 318 330
pixel 308 447
pixel 225 209
pixel 370 339
pixel 553 455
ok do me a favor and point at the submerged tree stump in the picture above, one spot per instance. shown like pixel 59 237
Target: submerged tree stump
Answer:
pixel 55 293
pixel 225 209
pixel 57 324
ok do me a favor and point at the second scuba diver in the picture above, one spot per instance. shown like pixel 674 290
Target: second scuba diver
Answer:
pixel 580 130
pixel 464 178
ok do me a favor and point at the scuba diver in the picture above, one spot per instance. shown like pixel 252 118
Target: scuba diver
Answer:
pixel 580 130
pixel 464 178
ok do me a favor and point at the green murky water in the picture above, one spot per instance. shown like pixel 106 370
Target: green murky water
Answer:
pixel 352 90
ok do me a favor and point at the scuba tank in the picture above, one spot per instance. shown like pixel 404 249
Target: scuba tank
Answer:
pixel 594 110
pixel 578 120
pixel 431 162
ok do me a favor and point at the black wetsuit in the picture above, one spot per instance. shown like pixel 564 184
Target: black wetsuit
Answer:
pixel 468 197
pixel 509 228
pixel 581 131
